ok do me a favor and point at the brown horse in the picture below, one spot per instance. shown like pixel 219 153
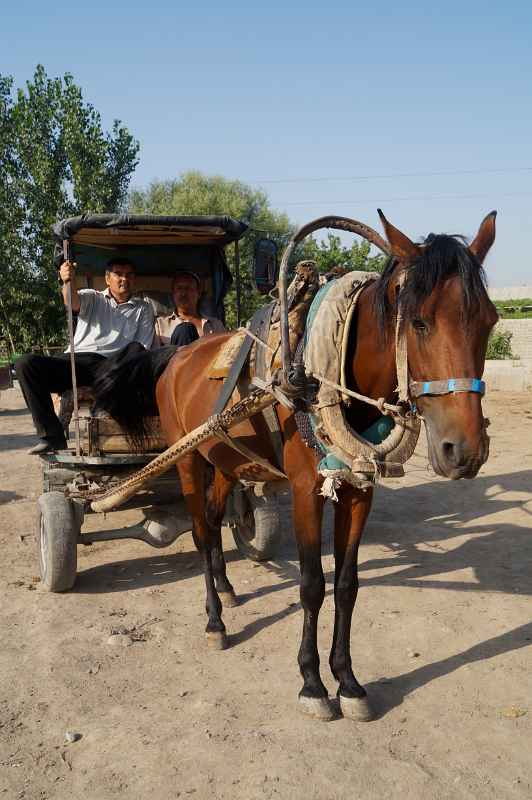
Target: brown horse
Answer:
pixel 438 288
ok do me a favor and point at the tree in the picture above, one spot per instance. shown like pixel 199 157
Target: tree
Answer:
pixel 11 215
pixel 195 193
pixel 331 253
pixel 56 161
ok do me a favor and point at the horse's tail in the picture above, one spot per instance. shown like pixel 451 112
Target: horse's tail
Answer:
pixel 125 389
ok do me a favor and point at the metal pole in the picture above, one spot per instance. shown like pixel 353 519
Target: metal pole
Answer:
pixel 237 276
pixel 70 318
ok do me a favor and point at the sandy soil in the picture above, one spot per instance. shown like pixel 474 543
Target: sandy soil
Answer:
pixel 442 638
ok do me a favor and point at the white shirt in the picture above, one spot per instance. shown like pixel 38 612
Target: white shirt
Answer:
pixel 165 326
pixel 105 326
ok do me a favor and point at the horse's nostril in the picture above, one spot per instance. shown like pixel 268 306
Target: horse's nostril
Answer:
pixel 450 451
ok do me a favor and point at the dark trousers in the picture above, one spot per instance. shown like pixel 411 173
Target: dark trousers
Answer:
pixel 38 376
pixel 184 333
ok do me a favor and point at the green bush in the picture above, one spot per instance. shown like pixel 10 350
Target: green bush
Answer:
pixel 500 344
pixel 500 305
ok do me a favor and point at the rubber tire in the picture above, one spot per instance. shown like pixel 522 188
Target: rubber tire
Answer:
pixel 259 536
pixel 58 528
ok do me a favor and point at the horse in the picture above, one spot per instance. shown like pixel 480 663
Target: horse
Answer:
pixel 435 293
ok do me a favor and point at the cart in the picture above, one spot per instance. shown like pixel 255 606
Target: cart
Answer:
pixel 99 456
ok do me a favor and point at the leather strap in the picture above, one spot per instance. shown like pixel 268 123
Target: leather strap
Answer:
pixel 258 325
pixel 401 355
pixel 447 386
pixel 223 436
pixel 233 376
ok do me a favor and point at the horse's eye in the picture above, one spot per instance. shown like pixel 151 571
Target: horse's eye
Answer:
pixel 419 325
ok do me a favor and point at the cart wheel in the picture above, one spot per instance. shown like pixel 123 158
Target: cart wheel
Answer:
pixel 58 527
pixel 257 533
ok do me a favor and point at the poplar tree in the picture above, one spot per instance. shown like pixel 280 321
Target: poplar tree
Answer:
pixel 56 160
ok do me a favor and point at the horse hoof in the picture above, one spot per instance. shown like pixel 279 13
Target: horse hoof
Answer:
pixel 216 640
pixel 317 708
pixel 356 708
pixel 228 599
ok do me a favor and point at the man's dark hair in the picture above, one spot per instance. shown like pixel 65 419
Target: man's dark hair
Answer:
pixel 119 262
pixel 189 274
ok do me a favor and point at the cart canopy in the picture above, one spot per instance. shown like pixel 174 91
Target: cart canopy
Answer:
pixel 156 245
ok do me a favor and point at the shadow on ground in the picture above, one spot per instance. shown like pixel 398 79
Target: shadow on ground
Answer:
pixel 13 412
pixel 8 497
pixel 416 528
pixel 387 693
pixel 17 441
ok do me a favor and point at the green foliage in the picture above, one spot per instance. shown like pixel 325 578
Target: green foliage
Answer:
pixel 195 193
pixel 56 161
pixel 501 305
pixel 331 253
pixel 500 344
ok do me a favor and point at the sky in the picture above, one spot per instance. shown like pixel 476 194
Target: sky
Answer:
pixel 421 109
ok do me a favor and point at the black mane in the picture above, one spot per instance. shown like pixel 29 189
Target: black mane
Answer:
pixel 442 257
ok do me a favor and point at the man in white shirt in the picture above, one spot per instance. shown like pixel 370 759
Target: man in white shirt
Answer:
pixel 106 322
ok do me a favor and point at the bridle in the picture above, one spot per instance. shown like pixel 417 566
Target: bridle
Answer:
pixel 410 390
pixel 448 386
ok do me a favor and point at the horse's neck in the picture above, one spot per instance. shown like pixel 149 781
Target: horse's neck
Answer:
pixel 374 359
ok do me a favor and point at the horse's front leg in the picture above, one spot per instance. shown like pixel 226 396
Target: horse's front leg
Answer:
pixel 308 512
pixel 192 474
pixel 217 495
pixel 351 513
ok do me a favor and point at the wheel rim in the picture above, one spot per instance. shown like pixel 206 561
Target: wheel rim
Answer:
pixel 246 527
pixel 43 547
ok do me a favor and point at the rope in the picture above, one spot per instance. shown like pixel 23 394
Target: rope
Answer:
pixel 384 407
pixel 247 407
pixel 256 338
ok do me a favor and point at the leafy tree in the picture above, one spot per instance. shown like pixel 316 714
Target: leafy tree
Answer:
pixel 195 193
pixel 56 161
pixel 331 253
pixel 11 215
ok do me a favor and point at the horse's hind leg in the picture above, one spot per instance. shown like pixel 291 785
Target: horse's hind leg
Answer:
pixel 217 495
pixel 192 473
pixel 351 513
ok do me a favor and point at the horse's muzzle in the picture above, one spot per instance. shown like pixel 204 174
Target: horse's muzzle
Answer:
pixel 456 458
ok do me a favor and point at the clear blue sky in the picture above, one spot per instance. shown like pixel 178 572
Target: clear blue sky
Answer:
pixel 392 92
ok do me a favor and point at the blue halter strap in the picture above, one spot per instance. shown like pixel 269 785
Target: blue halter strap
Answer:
pixel 448 386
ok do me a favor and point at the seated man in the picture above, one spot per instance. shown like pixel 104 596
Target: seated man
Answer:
pixel 107 322
pixel 186 324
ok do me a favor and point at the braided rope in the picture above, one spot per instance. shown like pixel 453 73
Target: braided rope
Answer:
pixel 245 408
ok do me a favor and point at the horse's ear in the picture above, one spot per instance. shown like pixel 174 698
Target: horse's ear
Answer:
pixel 485 237
pixel 401 246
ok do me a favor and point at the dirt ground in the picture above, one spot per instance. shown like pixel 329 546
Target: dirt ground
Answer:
pixel 442 639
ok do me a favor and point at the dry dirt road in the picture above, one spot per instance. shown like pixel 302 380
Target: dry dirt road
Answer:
pixel 442 638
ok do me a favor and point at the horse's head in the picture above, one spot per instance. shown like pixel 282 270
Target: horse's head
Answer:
pixel 438 289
